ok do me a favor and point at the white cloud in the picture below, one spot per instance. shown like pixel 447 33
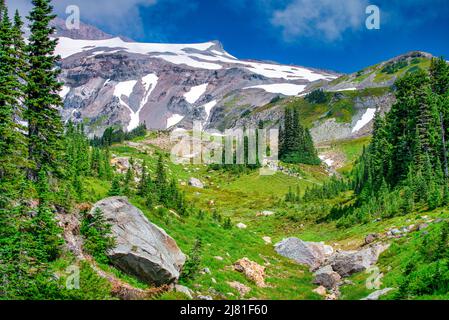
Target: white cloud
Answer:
pixel 326 20
pixel 118 17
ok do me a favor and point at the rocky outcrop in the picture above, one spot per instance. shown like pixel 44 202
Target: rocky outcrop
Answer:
pixel 346 263
pixel 240 287
pixel 327 277
pixel 196 183
pixel 308 253
pixel 253 271
pixel 142 249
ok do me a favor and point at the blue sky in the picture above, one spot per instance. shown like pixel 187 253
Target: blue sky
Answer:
pixel 329 34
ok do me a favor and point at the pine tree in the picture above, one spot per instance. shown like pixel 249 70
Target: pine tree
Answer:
pixel 12 141
pixel 115 187
pixel 42 99
pixel 296 144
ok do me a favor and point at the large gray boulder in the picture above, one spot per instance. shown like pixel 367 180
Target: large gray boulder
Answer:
pixel 311 254
pixel 327 277
pixel 142 249
pixel 346 263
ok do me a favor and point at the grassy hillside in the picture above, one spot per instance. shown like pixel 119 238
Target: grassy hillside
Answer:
pixel 240 198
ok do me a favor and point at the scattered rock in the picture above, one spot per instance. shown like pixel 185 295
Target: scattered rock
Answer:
pixel 377 294
pixel 321 291
pixel 240 287
pixel 196 183
pixel 265 214
pixel 185 290
pixel 327 277
pixel 346 263
pixel 211 203
pixel 395 232
pixel 422 226
pixel 206 271
pixel 213 280
pixel 371 238
pixel 267 240
pixel 121 164
pixel 253 271
pixel 219 258
pixel 241 225
pixel 312 254
pixel 332 296
pixel 200 297
pixel 142 249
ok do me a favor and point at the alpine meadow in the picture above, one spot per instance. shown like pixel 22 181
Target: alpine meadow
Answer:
pixel 141 170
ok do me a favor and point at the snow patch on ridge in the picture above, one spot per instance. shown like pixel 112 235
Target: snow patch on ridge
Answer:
pixel 208 108
pixel 366 118
pixel 64 92
pixel 287 89
pixel 195 93
pixel 174 120
pixel 125 88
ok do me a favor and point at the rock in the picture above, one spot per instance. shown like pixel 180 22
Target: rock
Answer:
pixel 219 258
pixel 240 287
pixel 267 240
pixel 185 290
pixel 253 271
pixel 200 297
pixel 241 225
pixel 142 249
pixel 321 291
pixel 121 164
pixel 312 254
pixel 265 214
pixel 206 270
pixel 332 296
pixel 395 232
pixel 196 183
pixel 377 294
pixel 213 280
pixel 327 277
pixel 346 263
pixel 211 203
pixel 371 238
pixel 422 226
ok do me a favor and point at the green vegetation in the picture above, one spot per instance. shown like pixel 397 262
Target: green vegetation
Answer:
pixel 112 135
pixel 296 145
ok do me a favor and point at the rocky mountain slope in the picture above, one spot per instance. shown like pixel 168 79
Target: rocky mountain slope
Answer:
pixel 113 81
pixel 109 81
pixel 352 100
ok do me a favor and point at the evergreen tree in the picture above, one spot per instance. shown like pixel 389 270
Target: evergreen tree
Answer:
pixel 12 140
pixel 296 144
pixel 115 187
pixel 42 99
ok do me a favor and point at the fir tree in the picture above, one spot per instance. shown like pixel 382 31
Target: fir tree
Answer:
pixel 12 141
pixel 115 187
pixel 42 99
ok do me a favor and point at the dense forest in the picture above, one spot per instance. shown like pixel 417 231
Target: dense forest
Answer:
pixel 43 163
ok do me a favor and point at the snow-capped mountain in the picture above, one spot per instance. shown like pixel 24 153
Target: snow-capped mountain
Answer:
pixel 111 81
